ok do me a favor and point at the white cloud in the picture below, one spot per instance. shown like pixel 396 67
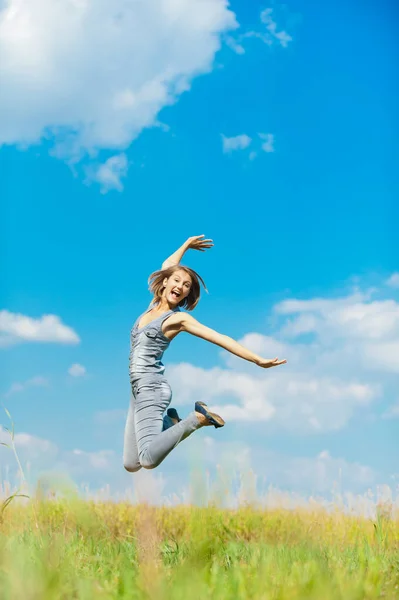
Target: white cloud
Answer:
pixel 383 356
pixel 18 387
pixel 82 460
pixel 38 456
pixel 293 400
pixel 268 143
pixel 93 74
pixel 344 317
pixel 268 34
pixel 235 45
pixel 77 370
pixel 97 473
pixel 310 474
pixel 291 306
pixel 392 412
pixel 194 383
pixel 393 280
pixel 321 474
pixel 29 448
pixel 34 444
pixel 282 37
pixel 243 141
pixel 367 332
pixel 109 175
pixel 238 142
pixel 49 328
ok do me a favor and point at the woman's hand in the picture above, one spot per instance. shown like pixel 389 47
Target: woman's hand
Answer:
pixel 196 243
pixel 267 363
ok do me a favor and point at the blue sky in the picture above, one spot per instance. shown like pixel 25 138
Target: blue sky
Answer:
pixel 311 219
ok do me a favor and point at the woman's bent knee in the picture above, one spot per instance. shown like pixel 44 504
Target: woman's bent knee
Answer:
pixel 147 463
pixel 132 467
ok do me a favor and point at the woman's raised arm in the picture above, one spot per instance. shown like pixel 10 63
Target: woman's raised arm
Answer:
pixel 191 325
pixel 195 242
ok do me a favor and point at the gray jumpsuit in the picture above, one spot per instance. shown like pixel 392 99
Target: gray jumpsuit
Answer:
pixel 148 437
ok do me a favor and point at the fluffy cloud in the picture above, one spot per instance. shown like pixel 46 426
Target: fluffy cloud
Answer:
pixel 324 472
pixel 92 74
pixel 20 328
pixel 292 401
pixel 31 450
pixel 392 412
pixel 313 474
pixel 268 142
pixel 236 46
pixel 350 317
pixel 109 175
pixel 282 37
pixel 18 387
pixel 39 456
pixel 77 370
pixel 98 474
pixel 268 33
pixel 366 333
pixel 238 142
pixel 256 468
pixel 393 280
pixel 79 460
pixel 243 141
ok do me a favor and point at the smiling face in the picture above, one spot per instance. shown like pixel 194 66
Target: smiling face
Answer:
pixel 177 287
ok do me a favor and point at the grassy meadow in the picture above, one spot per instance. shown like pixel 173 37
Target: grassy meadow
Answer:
pixel 82 549
pixel 63 546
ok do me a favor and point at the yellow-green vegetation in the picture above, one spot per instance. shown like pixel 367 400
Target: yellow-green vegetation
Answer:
pixel 75 549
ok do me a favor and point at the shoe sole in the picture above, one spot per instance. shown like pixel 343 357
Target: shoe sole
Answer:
pixel 213 418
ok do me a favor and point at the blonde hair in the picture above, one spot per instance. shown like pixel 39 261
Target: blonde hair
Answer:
pixel 156 285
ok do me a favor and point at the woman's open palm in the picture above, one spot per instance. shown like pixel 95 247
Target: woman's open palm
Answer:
pixel 196 243
pixel 267 363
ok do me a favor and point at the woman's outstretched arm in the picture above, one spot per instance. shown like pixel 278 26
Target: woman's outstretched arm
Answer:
pixel 195 242
pixel 190 325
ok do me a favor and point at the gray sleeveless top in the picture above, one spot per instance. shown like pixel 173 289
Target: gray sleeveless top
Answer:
pixel 147 346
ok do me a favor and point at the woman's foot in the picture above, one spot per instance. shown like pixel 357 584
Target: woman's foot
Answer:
pixel 205 417
pixel 172 414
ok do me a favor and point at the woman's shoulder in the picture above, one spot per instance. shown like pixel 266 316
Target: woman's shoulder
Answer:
pixel 175 316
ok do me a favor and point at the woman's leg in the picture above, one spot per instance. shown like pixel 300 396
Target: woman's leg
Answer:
pixel 130 451
pixel 154 444
pixel 170 418
pixel 167 422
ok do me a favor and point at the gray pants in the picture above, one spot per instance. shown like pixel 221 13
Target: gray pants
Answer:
pixel 148 439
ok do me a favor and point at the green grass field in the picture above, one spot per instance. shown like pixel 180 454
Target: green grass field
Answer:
pixel 81 549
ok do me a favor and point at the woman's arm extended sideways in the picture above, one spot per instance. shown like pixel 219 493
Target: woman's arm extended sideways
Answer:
pixel 191 325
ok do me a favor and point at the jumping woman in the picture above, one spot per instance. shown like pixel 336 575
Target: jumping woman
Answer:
pixel 149 434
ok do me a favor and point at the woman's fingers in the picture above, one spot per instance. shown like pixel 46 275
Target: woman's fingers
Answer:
pixel 194 238
pixel 277 362
pixel 202 244
pixel 197 243
pixel 197 239
pixel 267 363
